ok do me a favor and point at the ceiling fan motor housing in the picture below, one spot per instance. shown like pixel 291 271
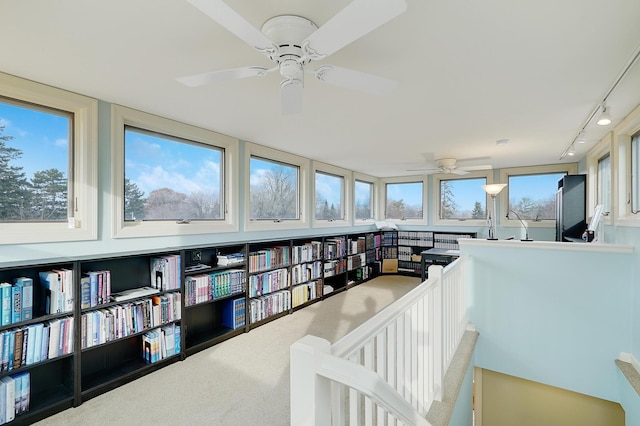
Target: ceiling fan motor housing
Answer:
pixel 288 32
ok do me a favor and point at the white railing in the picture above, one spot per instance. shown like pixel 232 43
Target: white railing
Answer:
pixel 389 369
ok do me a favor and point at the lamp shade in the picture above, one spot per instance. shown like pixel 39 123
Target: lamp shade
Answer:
pixel 494 189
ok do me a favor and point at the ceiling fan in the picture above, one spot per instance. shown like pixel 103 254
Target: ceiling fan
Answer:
pixel 292 42
pixel 449 166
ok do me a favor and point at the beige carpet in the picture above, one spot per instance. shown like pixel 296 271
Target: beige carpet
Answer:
pixel 243 381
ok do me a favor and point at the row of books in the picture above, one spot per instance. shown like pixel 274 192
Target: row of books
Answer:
pixel 389 252
pixel 57 290
pixel 307 252
pixel 357 246
pixel 334 267
pixel 389 238
pixel 234 312
pixel 161 343
pixel 335 247
pixel 449 241
pixel 16 301
pixel 165 272
pixel 118 321
pixel 204 287
pixel 268 282
pixel 301 294
pixel 356 261
pixel 95 288
pixel 266 306
pixel 373 240
pixel 415 238
pixel 306 272
pixel 35 343
pixel 15 395
pixel 271 258
pixel 405 253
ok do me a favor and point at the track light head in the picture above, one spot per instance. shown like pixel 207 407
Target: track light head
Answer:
pixel 605 116
pixel 571 152
pixel 581 137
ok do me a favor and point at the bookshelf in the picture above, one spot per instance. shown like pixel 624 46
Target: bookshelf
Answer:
pixel 306 272
pixel 410 245
pixel 113 337
pixel 335 264
pixel 48 369
pixel 215 288
pixel 199 295
pixel 269 282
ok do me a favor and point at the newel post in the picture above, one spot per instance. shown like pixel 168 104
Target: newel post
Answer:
pixel 310 393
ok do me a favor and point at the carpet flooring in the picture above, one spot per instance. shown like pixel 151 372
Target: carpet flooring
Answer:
pixel 242 381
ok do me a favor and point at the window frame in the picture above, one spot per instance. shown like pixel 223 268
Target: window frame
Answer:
pixel 347 197
pixel 83 226
pixel 122 116
pixel 621 170
pixel 254 150
pixel 594 155
pixel 435 208
pixel 569 168
pixel 375 182
pixel 405 179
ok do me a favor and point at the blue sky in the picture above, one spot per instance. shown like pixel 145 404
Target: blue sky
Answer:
pixel 43 138
pixel 153 162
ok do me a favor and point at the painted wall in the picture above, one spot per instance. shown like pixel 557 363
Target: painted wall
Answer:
pixel 558 317
pixel 462 411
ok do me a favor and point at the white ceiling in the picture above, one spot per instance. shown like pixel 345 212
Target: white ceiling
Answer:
pixel 470 72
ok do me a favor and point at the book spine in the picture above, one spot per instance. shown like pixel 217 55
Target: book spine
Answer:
pixel 16 298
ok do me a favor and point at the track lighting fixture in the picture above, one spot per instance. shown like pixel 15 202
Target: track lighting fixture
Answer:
pixel 571 152
pixel 605 116
pixel 581 137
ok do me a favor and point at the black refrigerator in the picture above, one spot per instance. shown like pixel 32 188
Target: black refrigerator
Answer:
pixel 571 208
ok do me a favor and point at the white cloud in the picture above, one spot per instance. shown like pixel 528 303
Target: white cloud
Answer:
pixel 62 142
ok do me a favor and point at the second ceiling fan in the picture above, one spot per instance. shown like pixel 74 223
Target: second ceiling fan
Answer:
pixel 292 42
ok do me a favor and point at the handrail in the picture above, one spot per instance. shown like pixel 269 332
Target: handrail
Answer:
pixel 396 360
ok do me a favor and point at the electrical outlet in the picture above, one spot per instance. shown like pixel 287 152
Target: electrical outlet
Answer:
pixel 196 256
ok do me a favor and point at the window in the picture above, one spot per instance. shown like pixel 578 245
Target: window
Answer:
pixel 462 199
pixel 48 163
pixel 36 183
pixel 276 195
pixel 170 178
pixel 332 195
pixel 533 197
pixel 329 194
pixel 531 192
pixel 635 173
pixel 404 201
pixel 604 183
pixel 273 190
pixel 363 195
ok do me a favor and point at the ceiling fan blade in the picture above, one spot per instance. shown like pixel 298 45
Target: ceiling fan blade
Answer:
pixel 357 19
pixel 355 80
pixel 474 168
pixel 224 15
pixel 459 172
pixel 426 170
pixel 224 75
pixel 291 97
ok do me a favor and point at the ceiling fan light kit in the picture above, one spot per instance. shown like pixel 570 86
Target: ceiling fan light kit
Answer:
pixel 291 42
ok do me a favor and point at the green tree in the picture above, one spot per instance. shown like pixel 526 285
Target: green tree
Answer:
pixel 447 201
pixel 134 201
pixel 49 195
pixel 14 187
pixel 478 212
